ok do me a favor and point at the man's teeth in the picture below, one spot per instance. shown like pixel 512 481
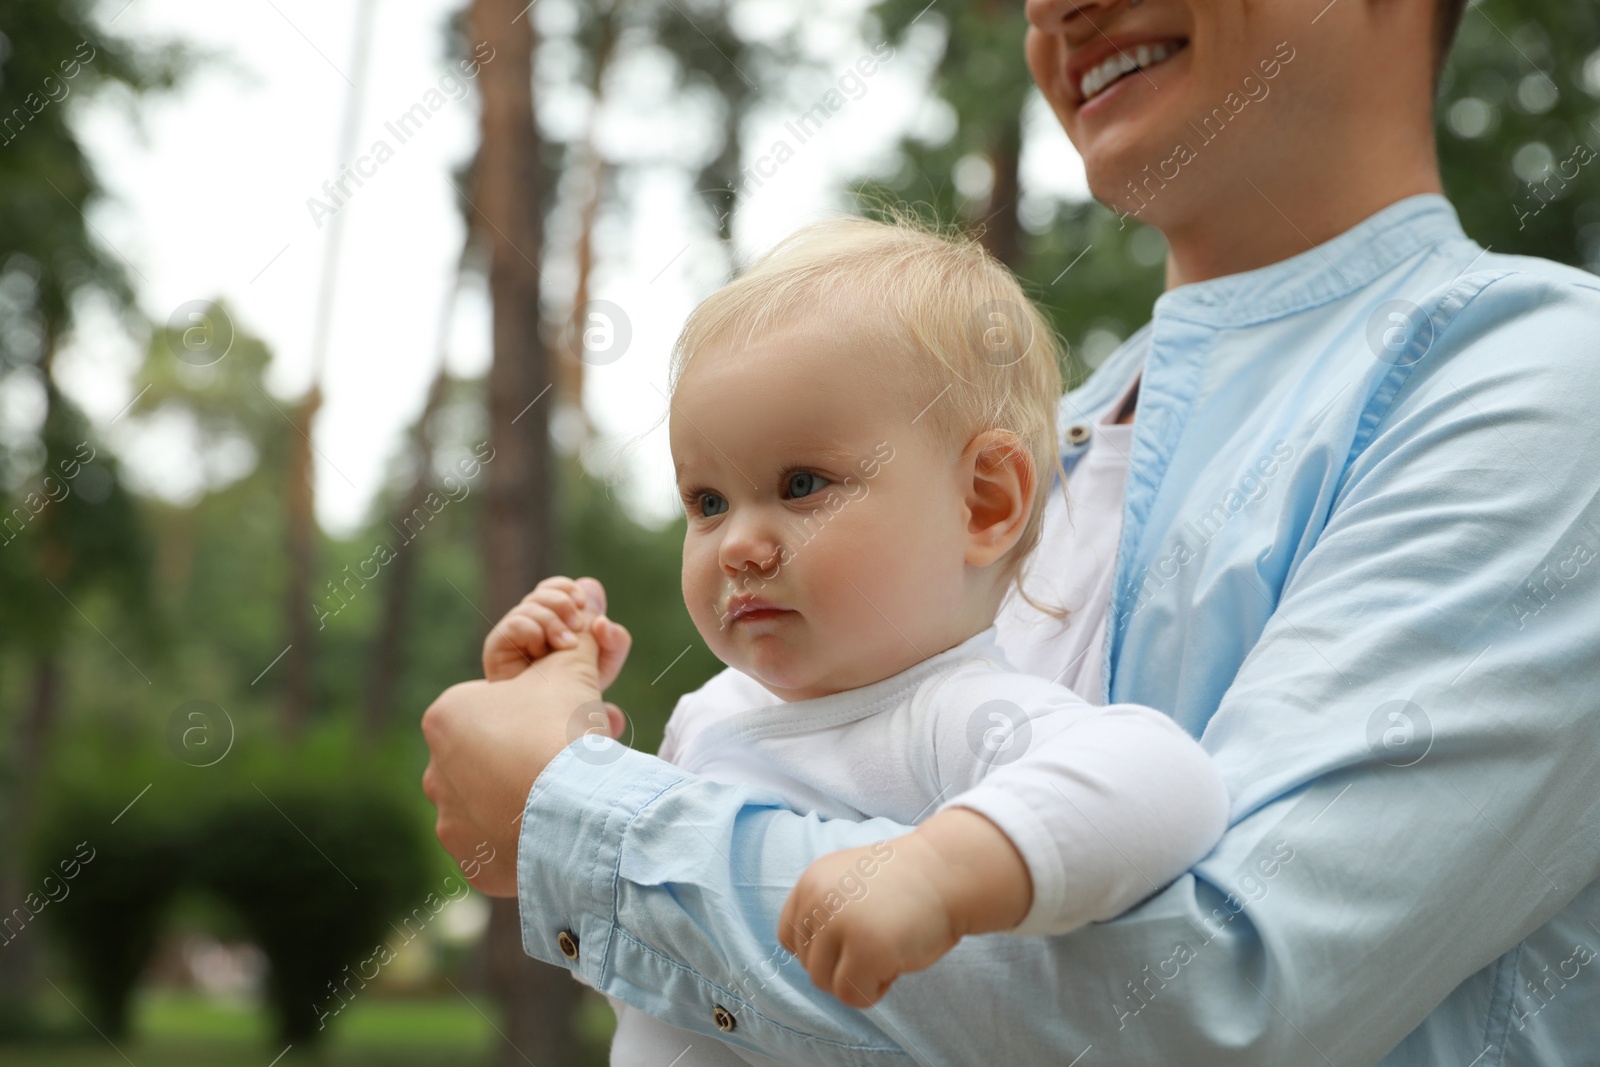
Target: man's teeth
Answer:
pixel 1121 63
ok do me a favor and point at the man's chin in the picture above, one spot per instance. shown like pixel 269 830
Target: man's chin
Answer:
pixel 1138 184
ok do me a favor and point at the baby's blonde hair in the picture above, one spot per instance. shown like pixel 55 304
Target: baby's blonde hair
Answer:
pixel 961 321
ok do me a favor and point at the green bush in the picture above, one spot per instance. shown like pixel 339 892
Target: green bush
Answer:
pixel 317 911
pixel 109 917
pixel 314 859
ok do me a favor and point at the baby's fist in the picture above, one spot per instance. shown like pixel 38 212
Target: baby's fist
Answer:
pixel 548 620
pixel 861 918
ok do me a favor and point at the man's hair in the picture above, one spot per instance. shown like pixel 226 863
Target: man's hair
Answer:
pixel 1446 21
pixel 961 333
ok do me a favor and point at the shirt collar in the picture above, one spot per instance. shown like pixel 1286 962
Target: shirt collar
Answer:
pixel 1326 272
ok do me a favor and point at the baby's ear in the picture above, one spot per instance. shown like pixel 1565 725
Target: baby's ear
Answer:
pixel 1001 480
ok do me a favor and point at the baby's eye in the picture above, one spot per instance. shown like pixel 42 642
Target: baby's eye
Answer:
pixel 709 504
pixel 802 484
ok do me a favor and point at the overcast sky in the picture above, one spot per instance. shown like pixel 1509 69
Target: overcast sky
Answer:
pixel 209 189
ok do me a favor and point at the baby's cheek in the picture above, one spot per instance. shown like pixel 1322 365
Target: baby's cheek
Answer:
pixel 853 578
pixel 701 584
pixel 904 578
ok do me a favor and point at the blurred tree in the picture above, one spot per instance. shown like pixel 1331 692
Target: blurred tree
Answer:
pixel 974 174
pixel 219 557
pixel 1519 128
pixel 219 554
pixel 319 913
pixel 509 191
pixel 69 530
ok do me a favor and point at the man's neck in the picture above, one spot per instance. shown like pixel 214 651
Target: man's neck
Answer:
pixel 1267 221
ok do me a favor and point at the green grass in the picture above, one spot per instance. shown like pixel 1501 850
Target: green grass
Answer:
pixel 174 1030
pixel 185 1030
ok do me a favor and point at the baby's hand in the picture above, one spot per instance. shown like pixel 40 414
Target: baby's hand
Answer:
pixel 546 622
pixel 861 918
pixel 890 917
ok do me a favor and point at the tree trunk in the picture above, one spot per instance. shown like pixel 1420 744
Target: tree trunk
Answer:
pixel 1002 234
pixel 509 200
pixel 301 534
pixel 538 1000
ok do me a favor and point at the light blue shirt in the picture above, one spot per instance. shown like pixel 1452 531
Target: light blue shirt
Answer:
pixel 1360 560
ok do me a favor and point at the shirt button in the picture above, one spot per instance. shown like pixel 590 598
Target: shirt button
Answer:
pixel 723 1018
pixel 1078 433
pixel 567 944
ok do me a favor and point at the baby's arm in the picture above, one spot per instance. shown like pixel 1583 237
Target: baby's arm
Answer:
pixel 546 620
pixel 1010 852
pixel 956 875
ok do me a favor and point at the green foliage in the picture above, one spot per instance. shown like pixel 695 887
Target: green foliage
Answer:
pixel 317 873
pixel 313 852
pixel 980 74
pixel 1519 103
pixel 53 51
pixel 71 529
pixel 109 920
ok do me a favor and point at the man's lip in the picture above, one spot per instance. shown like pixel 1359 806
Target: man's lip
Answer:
pixel 1081 62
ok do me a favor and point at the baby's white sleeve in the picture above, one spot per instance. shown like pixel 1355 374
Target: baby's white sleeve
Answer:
pixel 671 745
pixel 1110 804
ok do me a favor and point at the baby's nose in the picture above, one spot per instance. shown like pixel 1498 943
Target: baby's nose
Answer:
pixel 750 545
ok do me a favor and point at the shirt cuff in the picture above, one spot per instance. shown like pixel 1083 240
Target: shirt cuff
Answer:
pixel 568 850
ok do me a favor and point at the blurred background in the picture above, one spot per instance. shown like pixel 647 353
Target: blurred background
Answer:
pixel 328 327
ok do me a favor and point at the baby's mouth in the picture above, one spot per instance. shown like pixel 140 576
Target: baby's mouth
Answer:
pixel 753 609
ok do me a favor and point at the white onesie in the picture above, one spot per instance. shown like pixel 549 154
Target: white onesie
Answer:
pixel 1149 804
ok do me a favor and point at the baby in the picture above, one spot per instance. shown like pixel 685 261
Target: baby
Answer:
pixel 863 427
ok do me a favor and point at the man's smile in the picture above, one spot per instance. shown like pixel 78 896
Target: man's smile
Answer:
pixel 1097 67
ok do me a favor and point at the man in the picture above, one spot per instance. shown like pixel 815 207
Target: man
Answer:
pixel 1356 553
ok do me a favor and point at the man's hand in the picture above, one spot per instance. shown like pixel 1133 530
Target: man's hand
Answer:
pixel 548 619
pixel 861 918
pixel 488 741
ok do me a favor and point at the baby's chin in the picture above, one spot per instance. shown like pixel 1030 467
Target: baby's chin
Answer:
pixel 789 669
pixel 791 675
pixel 788 677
